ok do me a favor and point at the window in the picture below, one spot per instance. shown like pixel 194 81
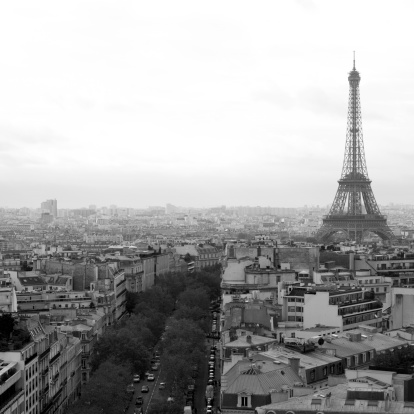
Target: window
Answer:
pixel 332 369
pixel 325 371
pixel 371 354
pixel 348 362
pixel 244 401
pixel 364 357
pixel 312 375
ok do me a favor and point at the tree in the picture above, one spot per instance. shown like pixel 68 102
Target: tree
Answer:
pixel 106 392
pixel 6 325
pixel 131 301
pixel 400 360
pixel 122 347
pixel 165 407
pixel 194 298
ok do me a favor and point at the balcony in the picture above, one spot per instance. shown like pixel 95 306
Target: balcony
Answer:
pixel 55 378
pixel 356 308
pixel 45 371
pixel 11 399
pixel 7 380
pixel 123 291
pixel 355 325
pixel 54 358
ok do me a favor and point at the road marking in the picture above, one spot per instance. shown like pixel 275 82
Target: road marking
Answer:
pixel 153 390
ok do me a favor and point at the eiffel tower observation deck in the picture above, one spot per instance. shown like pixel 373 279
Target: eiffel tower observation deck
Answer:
pixel 354 210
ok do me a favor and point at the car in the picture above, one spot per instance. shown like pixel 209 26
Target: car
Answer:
pixel 151 377
pixel 209 407
pixel 162 386
pixel 170 399
pixel 139 400
pixel 147 373
pixel 137 378
pixel 145 388
pixel 210 382
pixel 154 367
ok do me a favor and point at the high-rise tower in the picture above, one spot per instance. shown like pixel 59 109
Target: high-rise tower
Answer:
pixel 354 210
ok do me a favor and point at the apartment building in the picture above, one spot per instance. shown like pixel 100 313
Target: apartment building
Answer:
pixel 399 267
pixel 21 376
pixel 378 284
pixel 345 307
pixel 133 268
pixel 35 302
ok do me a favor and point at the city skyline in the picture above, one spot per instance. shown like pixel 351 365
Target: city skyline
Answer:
pixel 137 105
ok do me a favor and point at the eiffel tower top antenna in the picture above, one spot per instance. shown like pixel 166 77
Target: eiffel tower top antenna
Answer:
pixel 354 60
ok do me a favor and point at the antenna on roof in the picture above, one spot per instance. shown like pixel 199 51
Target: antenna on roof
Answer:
pixel 354 60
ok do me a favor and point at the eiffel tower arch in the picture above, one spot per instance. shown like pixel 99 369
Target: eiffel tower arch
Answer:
pixel 354 210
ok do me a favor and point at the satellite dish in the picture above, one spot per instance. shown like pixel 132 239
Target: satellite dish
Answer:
pixel 320 341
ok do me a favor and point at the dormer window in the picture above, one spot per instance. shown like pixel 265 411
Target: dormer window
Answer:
pixel 244 400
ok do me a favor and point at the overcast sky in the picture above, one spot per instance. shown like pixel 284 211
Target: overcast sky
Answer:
pixel 201 103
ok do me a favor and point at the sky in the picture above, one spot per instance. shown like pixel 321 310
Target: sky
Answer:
pixel 201 103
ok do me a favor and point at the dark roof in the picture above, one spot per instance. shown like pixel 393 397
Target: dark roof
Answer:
pixel 31 280
pixel 297 292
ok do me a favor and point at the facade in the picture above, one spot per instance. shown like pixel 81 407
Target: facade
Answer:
pixel 49 206
pixel 398 268
pixel 345 308
pixel 401 307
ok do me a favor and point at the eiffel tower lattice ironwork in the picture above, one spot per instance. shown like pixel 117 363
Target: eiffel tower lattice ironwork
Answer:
pixel 354 210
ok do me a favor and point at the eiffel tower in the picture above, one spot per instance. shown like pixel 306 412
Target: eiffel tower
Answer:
pixel 354 210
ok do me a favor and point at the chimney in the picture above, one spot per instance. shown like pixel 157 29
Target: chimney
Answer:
pixel 328 400
pixel 294 364
pixel 249 339
pixel 259 251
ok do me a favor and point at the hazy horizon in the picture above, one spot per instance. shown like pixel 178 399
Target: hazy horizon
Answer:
pixel 201 104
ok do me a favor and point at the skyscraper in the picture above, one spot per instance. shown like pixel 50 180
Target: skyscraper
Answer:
pixel 49 206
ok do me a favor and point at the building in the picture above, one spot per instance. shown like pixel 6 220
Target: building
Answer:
pixel 369 395
pixel 345 308
pixel 20 364
pixel 49 206
pixel 314 367
pixel 252 383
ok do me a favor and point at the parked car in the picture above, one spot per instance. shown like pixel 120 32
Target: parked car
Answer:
pixel 145 388
pixel 139 400
pixel 154 367
pixel 162 386
pixel 151 377
pixel 137 378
